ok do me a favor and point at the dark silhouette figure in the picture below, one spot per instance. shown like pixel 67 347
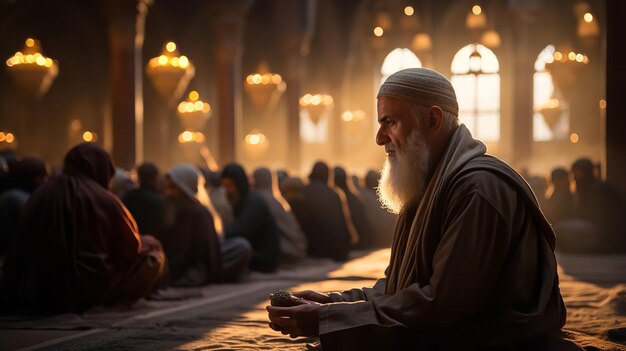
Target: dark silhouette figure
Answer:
pixel 559 206
pixel 77 245
pixel 598 224
pixel 145 203
pixel 358 214
pixel 23 177
pixel 253 220
pixel 326 221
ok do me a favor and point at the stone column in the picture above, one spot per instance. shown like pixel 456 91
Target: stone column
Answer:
pixel 126 20
pixel 615 102
pixel 294 20
pixel 522 92
pixel 227 28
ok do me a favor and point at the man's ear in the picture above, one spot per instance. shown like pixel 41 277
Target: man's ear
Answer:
pixel 435 118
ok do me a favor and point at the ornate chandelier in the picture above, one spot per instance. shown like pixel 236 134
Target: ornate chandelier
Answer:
pixel 33 72
pixel 564 67
pixel 264 88
pixel 170 72
pixel 193 112
pixel 316 105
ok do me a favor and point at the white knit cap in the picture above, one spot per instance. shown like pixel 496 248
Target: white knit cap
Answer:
pixel 421 86
pixel 185 176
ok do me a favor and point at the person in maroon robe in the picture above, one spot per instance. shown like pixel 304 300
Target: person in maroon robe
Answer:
pixel 77 245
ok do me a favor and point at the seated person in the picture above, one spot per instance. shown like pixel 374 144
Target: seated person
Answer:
pixel 24 176
pixel 326 219
pixel 77 245
pixel 253 220
pixel 472 264
pixel 145 203
pixel 189 234
pixel 293 242
pixel 598 223
pixel 559 205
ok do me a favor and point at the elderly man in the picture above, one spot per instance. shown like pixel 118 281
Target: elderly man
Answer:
pixel 472 262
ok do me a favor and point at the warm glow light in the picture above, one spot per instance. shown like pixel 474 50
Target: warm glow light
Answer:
pixel 187 136
pixel 349 116
pixel 193 104
pixel 170 46
pixel 602 103
pixel 571 56
pixel 31 55
pixel 558 56
pixel 315 100
pixel 9 138
pixel 183 62
pixel 588 17
pixel 255 137
pixel 476 10
pixel 409 11
pixel 573 138
pixel 87 136
pixel 579 57
pixel 378 31
pixel 162 60
pixel 2 136
pixel 198 137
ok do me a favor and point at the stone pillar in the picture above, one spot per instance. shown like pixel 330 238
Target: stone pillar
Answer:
pixel 227 27
pixel 615 102
pixel 294 20
pixel 522 92
pixel 126 19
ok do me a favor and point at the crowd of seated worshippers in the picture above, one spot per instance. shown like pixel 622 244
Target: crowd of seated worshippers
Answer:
pixel 92 234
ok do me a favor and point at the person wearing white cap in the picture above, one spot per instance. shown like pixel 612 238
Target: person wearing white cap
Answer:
pixel 472 262
pixel 191 234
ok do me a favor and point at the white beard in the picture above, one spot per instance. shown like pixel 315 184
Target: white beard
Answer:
pixel 403 178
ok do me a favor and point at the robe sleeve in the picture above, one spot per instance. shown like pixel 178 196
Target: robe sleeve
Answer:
pixel 357 294
pixel 247 222
pixel 466 263
pixel 127 243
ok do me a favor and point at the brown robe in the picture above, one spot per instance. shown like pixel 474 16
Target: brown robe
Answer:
pixel 472 267
pixel 77 245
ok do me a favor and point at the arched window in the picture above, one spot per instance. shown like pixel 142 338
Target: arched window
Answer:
pixel 550 116
pixel 398 59
pixel 476 81
pixel 312 132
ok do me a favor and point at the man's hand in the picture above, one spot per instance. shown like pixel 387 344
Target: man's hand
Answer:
pixel 300 320
pixel 314 296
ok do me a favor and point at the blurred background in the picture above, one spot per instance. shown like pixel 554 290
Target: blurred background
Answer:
pixel 283 83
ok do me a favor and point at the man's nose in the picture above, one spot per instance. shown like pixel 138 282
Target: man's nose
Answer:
pixel 381 137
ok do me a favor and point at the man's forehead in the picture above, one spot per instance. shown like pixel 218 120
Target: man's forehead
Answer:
pixel 388 104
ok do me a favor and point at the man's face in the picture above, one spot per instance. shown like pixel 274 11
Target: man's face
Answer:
pixel 170 190
pixel 396 121
pixel 403 177
pixel 231 190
